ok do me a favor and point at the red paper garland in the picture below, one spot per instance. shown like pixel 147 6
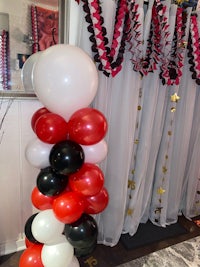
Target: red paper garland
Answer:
pixel 194 48
pixel 156 42
pixel 171 69
pixel 109 59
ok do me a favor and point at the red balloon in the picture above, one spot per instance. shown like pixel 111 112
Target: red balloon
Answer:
pixel 28 243
pixel 88 181
pixel 87 126
pixel 51 128
pixel 31 257
pixel 68 207
pixel 96 204
pixel 36 116
pixel 40 201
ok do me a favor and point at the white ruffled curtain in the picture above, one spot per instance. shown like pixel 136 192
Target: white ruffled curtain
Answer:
pixel 152 169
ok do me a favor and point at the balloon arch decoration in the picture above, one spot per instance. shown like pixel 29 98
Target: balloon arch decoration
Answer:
pixel 68 145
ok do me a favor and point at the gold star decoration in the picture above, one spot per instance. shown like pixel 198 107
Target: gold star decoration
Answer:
pixel 160 191
pixel 182 44
pixel 129 212
pixel 164 169
pixel 158 210
pixel 131 184
pixel 175 98
pixel 91 261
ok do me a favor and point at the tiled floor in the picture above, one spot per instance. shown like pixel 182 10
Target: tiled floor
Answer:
pixel 184 254
pixel 105 256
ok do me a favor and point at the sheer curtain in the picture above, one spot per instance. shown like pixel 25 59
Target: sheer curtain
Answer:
pixel 169 169
pixel 150 163
pixel 117 99
pixel 141 174
pixel 191 185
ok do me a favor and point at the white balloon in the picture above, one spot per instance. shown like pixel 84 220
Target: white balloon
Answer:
pixel 37 153
pixel 46 228
pixel 65 79
pixel 74 262
pixel 27 71
pixel 95 153
pixel 58 254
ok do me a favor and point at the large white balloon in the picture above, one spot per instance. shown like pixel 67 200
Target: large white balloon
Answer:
pixel 27 72
pixel 95 153
pixel 65 79
pixel 45 227
pixel 37 153
pixel 58 254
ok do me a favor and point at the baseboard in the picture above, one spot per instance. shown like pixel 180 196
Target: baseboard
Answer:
pixel 12 246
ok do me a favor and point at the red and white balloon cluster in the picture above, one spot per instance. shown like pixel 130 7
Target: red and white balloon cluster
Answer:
pixel 68 145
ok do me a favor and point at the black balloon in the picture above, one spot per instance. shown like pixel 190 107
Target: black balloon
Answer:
pixel 50 183
pixel 27 229
pixel 82 233
pixel 66 157
pixel 83 252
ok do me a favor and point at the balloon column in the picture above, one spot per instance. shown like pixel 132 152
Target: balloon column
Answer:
pixel 68 145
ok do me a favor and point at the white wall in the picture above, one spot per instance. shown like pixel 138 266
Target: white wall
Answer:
pixel 17 177
pixel 4 21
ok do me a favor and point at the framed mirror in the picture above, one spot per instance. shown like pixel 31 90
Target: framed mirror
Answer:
pixel 26 27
